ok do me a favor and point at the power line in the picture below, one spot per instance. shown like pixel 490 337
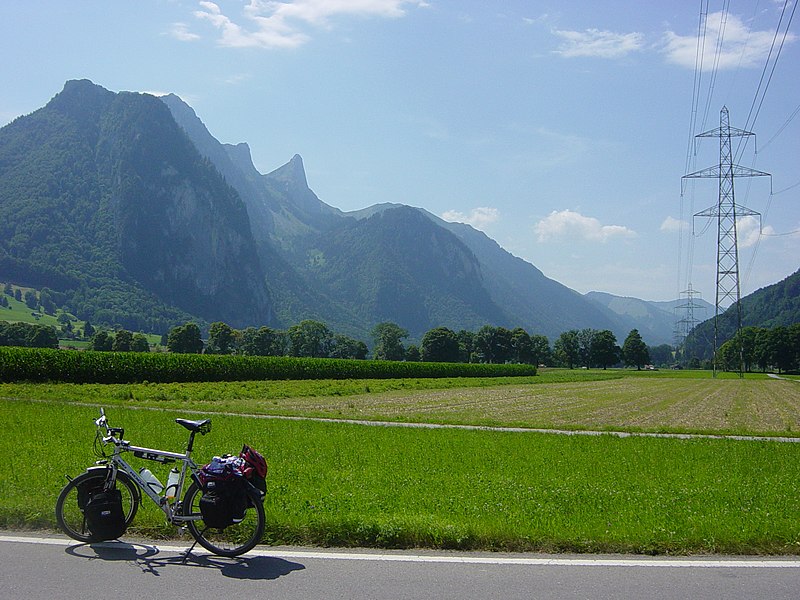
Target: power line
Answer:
pixel 750 123
pixel 723 22
pixel 782 127
pixel 791 187
pixel 702 28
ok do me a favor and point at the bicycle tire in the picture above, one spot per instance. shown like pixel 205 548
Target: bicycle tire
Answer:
pixel 231 541
pixel 69 513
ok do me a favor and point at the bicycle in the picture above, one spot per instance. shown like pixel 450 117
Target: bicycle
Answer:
pixel 112 470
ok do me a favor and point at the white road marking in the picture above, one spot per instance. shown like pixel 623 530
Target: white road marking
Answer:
pixel 461 558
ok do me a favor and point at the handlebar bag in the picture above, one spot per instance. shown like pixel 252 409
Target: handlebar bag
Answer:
pixel 104 515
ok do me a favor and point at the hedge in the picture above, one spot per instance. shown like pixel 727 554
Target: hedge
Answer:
pixel 72 366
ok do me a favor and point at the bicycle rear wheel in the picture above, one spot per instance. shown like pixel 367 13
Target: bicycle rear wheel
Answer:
pixel 235 539
pixel 72 500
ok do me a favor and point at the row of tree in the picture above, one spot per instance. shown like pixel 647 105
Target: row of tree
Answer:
pixel 121 341
pixel 490 344
pixel 776 348
pixel 314 339
pixel 28 335
pixel 593 348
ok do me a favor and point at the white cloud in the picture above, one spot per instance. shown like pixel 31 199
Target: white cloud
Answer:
pixel 543 18
pixel 598 44
pixel 741 47
pixel 479 217
pixel 748 231
pixel 180 31
pixel 570 224
pixel 673 224
pixel 270 24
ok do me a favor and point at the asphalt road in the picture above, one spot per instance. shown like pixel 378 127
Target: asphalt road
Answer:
pixel 34 568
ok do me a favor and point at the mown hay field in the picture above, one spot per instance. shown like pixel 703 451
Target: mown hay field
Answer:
pixel 604 401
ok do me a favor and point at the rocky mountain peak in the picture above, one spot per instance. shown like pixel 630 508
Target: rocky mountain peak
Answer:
pixel 292 173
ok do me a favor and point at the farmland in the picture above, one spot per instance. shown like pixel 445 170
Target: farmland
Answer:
pixel 345 484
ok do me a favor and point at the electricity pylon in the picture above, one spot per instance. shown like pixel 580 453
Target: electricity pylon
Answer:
pixel 726 211
pixel 684 325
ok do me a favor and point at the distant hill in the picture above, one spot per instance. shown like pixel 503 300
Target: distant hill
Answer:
pixel 771 306
pixel 654 320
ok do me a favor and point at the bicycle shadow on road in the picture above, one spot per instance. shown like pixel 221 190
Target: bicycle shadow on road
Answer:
pixel 151 560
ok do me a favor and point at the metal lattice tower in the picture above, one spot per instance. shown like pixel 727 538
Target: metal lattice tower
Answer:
pixel 726 211
pixel 684 325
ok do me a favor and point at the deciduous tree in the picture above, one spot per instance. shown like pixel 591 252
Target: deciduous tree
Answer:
pixel 185 339
pixel 540 349
pixel 521 346
pixel 493 344
pixel 565 349
pixel 634 350
pixel 221 338
pixel 440 344
pixel 102 342
pixel 604 351
pixel 122 341
pixel 310 338
pixel 388 339
pixel 346 347
pixel 139 343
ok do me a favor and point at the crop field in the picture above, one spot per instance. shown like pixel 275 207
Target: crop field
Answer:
pixel 333 483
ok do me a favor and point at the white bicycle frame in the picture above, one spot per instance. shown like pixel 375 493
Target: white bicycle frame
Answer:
pixel 117 463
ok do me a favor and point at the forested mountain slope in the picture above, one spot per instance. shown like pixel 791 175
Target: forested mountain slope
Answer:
pixel 103 196
pixel 771 306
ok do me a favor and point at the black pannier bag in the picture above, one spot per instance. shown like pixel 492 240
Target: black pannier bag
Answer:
pixel 224 500
pixel 104 514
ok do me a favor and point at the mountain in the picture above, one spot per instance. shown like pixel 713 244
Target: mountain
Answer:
pixel 129 207
pixel 283 213
pixel 356 289
pixel 654 320
pixel 541 304
pixel 104 197
pixel 772 306
pixel 529 299
pixel 399 266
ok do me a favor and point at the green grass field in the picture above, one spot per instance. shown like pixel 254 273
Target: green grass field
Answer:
pixel 17 311
pixel 346 484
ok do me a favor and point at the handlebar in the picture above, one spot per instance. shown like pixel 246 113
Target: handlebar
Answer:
pixel 113 434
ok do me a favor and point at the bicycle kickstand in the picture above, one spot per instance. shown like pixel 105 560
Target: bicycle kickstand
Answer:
pixel 189 551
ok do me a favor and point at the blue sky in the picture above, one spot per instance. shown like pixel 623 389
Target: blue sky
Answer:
pixel 561 129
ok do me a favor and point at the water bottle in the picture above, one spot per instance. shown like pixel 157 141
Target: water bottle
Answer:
pixel 151 480
pixel 172 483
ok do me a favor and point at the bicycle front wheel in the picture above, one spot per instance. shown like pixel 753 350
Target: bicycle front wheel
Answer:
pixel 233 540
pixel 72 500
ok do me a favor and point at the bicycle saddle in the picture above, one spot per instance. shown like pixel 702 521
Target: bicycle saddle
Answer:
pixel 203 426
